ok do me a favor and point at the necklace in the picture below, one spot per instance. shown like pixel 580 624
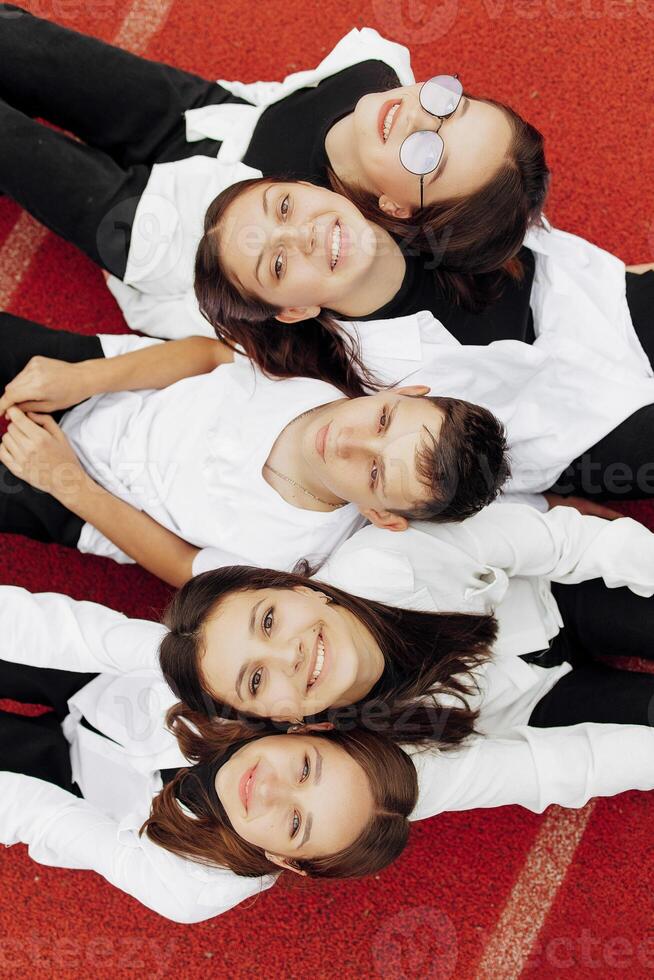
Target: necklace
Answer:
pixel 293 483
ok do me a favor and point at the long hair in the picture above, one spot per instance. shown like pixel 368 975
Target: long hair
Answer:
pixel 474 240
pixel 206 837
pixel 314 348
pixel 429 660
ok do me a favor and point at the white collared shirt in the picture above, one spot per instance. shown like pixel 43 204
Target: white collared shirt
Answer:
pixel 191 456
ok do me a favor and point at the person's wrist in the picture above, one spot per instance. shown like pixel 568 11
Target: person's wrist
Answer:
pixel 90 377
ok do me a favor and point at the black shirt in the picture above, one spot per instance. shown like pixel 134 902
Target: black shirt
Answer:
pixel 509 318
pixel 289 138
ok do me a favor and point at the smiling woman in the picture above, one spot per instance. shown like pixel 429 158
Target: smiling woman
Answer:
pixel 253 644
pixel 324 806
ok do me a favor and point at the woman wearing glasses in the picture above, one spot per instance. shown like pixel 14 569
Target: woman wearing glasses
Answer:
pixel 468 174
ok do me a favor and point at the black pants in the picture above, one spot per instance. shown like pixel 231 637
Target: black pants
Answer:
pixel 37 746
pixel 599 622
pixel 127 111
pixel 24 510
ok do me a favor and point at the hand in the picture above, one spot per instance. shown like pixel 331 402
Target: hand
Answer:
pixel 47 385
pixel 35 449
pixel 584 506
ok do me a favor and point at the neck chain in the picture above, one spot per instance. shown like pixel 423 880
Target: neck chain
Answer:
pixel 294 483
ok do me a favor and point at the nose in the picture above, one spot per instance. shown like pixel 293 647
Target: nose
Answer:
pixel 351 443
pixel 288 657
pixel 302 237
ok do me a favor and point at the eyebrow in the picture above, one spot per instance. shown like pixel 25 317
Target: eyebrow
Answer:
pixel 242 672
pixel 265 211
pixel 317 777
pixel 382 465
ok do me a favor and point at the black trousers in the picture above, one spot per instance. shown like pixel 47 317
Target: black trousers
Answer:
pixel 603 622
pixel 127 111
pixel 24 510
pixel 37 746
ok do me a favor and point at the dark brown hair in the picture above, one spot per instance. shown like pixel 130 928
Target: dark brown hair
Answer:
pixel 465 467
pixel 207 837
pixel 314 348
pixel 421 696
pixel 474 240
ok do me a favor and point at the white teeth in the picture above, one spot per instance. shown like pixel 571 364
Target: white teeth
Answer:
pixel 388 121
pixel 336 244
pixel 320 659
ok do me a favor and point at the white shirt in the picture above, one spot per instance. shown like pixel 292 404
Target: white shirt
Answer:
pixel 191 456
pixel 119 774
pixel 502 560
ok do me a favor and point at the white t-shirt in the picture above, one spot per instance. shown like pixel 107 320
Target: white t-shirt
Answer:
pixel 191 456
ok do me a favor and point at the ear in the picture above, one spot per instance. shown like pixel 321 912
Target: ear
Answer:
pixel 300 728
pixel 286 864
pixel 413 391
pixel 384 518
pixel 393 209
pixel 295 314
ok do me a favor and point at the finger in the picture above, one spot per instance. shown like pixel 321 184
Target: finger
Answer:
pixel 12 445
pixel 45 421
pixel 31 407
pixel 12 464
pixel 22 422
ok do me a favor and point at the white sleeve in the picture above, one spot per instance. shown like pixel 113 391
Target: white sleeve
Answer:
pixel 169 316
pixel 536 500
pixel 536 767
pixel 66 832
pixel 51 630
pixel 562 545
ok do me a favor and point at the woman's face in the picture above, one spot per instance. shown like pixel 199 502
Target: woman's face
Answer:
pixel 477 138
pixel 287 654
pixel 295 245
pixel 295 796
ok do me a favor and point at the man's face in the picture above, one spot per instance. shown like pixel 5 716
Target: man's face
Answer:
pixel 364 450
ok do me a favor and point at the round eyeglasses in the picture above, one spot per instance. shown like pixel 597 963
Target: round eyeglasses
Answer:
pixel 421 152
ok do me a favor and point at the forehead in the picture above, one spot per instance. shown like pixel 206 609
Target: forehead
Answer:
pixel 416 420
pixel 346 797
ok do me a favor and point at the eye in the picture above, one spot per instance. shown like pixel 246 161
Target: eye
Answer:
pixel 268 621
pixel 383 418
pixel 285 207
pixel 278 266
pixel 373 474
pixel 306 770
pixel 255 681
pixel 296 823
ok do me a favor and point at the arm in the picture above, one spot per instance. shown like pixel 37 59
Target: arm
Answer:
pixel 51 630
pixel 536 767
pixel 48 385
pixel 64 831
pixel 36 450
pixel 562 545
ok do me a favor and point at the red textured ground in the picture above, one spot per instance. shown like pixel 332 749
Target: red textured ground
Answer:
pixel 581 70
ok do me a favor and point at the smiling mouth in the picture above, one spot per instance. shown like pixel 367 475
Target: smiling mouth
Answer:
pixel 318 661
pixel 388 117
pixel 335 245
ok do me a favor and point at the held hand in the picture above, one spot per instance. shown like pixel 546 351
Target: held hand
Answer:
pixel 587 507
pixel 46 385
pixel 35 449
